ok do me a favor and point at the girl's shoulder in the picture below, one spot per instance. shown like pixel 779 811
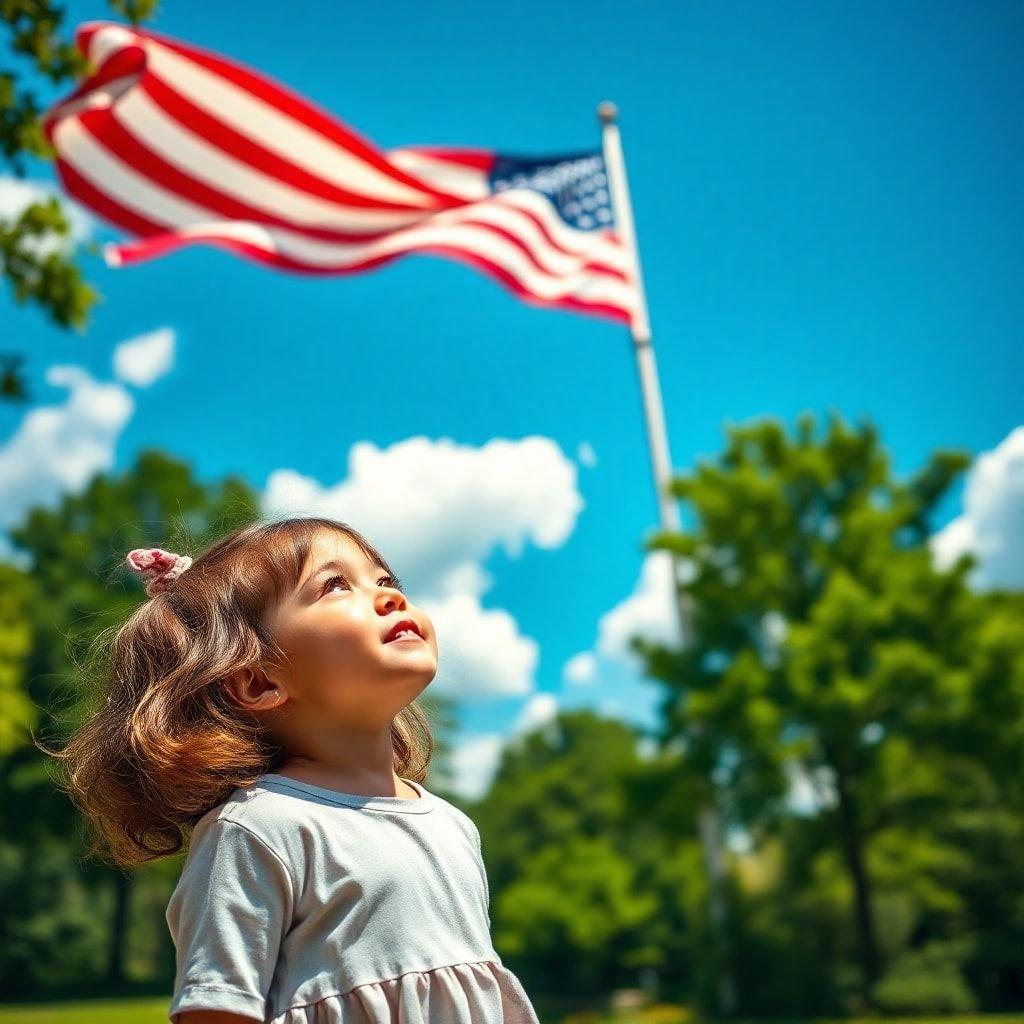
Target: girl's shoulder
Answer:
pixel 292 818
pixel 257 810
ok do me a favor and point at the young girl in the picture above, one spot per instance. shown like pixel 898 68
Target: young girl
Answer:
pixel 261 706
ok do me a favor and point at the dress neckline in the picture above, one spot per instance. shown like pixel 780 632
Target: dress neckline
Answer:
pixel 402 804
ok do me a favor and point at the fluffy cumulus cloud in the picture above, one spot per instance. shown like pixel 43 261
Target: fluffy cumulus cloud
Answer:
pixel 16 194
pixel 57 449
pixel 476 758
pixel 480 648
pixel 538 712
pixel 649 611
pixel 145 359
pixel 474 762
pixel 992 524
pixel 580 669
pixel 438 510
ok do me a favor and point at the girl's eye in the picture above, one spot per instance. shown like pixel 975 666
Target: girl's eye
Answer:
pixel 384 581
pixel 329 584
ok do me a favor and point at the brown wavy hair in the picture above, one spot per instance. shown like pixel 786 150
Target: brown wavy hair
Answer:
pixel 165 744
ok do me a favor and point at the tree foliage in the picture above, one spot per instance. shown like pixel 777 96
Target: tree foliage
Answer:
pixel 73 586
pixel 828 650
pixel 36 256
pixel 860 712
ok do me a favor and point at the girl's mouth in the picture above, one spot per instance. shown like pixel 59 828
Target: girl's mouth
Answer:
pixel 406 636
pixel 405 630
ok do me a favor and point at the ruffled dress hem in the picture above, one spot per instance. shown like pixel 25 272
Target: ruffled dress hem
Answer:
pixel 483 992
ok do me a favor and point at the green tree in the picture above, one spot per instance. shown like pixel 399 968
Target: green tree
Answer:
pixel 822 633
pixel 17 714
pixel 590 852
pixel 37 270
pixel 54 906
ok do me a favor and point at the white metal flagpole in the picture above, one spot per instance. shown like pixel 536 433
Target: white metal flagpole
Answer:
pixel 661 464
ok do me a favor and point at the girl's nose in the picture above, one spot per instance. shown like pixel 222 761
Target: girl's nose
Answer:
pixel 389 600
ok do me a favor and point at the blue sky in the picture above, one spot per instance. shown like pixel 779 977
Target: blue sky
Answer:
pixel 828 200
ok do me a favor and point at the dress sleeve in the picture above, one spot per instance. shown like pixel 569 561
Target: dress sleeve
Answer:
pixel 483 869
pixel 228 915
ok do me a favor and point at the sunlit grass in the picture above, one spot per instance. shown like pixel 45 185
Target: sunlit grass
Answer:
pixel 154 1011
pixel 665 1014
pixel 92 1011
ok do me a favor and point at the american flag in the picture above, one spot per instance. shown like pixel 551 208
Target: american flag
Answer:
pixel 177 145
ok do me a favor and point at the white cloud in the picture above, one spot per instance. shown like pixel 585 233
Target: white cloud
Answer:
pixel 580 669
pixel 539 711
pixel 438 510
pixel 586 455
pixel 480 649
pixel 476 758
pixel 146 358
pixel 649 612
pixel 58 448
pixel 474 762
pixel 18 193
pixel 992 523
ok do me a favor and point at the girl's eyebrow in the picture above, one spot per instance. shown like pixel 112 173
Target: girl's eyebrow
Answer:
pixel 334 563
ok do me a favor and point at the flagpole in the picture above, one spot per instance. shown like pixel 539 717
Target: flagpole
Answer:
pixel 661 465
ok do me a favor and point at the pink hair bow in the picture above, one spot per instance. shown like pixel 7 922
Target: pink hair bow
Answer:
pixel 159 567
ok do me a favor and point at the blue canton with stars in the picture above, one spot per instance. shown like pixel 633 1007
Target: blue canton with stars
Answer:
pixel 576 184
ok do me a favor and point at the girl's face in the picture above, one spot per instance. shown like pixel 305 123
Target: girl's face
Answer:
pixel 335 628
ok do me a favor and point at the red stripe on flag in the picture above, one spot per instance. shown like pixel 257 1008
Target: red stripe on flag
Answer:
pixel 513 284
pixel 244 149
pixel 515 237
pixel 592 265
pixel 298 107
pixel 478 159
pixel 162 244
pixel 550 239
pixel 127 148
pixel 86 193
pixel 108 132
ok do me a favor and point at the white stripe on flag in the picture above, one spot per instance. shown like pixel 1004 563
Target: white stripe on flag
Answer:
pixel 197 158
pixel 468 238
pixel 122 183
pixel 270 128
pixel 118 180
pixel 595 243
pixel 108 40
pixel 216 193
pixel 466 182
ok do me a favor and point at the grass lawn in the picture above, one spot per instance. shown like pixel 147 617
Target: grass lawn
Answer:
pixel 154 1011
pixel 93 1011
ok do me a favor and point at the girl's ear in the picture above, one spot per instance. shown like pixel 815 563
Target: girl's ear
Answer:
pixel 251 690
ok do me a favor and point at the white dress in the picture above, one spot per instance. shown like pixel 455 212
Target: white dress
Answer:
pixel 299 904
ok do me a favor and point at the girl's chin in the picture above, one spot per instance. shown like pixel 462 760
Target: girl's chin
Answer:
pixel 410 649
pixel 408 643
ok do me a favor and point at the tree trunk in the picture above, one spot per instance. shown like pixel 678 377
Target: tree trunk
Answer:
pixel 119 928
pixel 853 853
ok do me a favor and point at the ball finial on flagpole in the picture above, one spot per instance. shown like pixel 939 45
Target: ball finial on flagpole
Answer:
pixel 607 111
